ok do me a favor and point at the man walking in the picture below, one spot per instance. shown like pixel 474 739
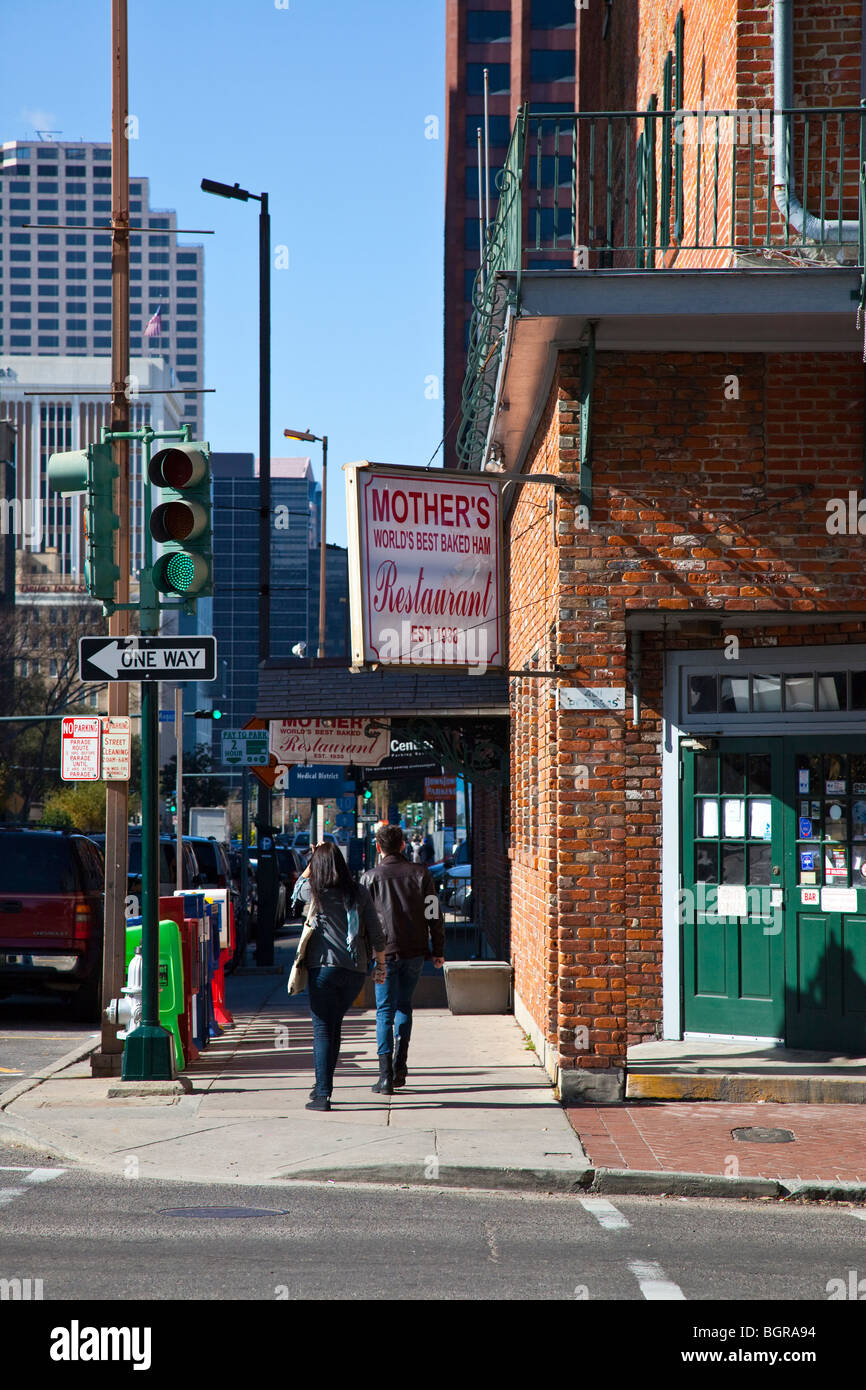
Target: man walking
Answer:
pixel 406 900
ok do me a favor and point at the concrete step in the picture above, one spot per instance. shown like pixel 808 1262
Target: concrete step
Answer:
pixel 746 1087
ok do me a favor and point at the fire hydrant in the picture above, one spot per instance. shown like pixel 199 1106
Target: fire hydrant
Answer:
pixel 126 1012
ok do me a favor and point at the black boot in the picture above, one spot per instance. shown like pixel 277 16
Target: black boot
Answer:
pixel 385 1085
pixel 400 1058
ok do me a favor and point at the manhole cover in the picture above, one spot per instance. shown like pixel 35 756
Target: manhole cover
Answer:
pixel 224 1213
pixel 754 1134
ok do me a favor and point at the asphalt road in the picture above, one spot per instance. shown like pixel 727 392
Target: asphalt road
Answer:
pixel 34 1032
pixel 89 1236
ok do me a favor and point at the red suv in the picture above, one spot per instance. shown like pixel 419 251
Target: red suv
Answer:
pixel 51 916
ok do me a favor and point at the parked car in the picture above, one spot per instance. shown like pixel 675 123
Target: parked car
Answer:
pixel 51 916
pixel 441 867
pixel 292 864
pixel 167 863
pixel 301 842
pixel 253 889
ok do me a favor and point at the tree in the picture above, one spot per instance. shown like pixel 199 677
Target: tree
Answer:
pixel 80 806
pixel 30 752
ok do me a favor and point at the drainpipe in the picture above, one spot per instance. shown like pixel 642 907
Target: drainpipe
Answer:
pixel 809 227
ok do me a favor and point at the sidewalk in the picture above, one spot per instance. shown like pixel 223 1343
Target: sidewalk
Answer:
pixel 477 1111
pixel 763 1149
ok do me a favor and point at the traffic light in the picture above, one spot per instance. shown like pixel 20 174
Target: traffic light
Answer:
pixel 208 714
pixel 92 471
pixel 368 794
pixel 181 522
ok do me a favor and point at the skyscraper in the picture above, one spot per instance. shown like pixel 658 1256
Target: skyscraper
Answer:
pixel 529 48
pixel 55 280
pixel 296 512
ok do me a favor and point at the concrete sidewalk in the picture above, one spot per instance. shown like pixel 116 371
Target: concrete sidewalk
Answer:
pixel 477 1111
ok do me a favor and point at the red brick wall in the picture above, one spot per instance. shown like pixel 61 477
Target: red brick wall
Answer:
pixel 728 65
pixel 701 501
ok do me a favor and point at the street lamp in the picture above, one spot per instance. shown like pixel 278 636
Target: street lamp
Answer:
pixel 323 440
pixel 267 884
pixel 226 190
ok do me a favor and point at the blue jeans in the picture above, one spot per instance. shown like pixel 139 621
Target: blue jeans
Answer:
pixel 332 992
pixel 394 1003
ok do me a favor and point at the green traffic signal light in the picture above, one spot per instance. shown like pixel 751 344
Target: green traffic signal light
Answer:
pixel 92 471
pixel 207 714
pixel 181 523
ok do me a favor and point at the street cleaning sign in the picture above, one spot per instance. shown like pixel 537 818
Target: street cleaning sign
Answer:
pixel 147 658
pixel 80 743
pixel 245 748
pixel 425 574
pixel 116 748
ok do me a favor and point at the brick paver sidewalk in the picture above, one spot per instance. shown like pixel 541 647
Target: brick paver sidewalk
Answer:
pixel 829 1140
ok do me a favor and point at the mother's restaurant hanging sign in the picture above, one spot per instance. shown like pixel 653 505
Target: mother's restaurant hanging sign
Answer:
pixel 425 582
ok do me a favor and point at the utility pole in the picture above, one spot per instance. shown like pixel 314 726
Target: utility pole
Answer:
pixel 178 735
pixel 107 1061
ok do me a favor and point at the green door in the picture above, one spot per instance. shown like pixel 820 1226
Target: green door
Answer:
pixel 825 898
pixel 730 888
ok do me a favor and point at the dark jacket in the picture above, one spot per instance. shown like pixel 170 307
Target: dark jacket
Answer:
pixel 327 945
pixel 406 900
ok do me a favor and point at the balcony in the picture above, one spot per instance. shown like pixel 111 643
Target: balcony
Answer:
pixel 751 219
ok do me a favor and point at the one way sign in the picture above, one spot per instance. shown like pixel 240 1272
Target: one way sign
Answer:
pixel 147 658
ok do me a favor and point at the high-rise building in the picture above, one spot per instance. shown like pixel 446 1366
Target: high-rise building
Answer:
pixel 296 510
pixel 529 49
pixel 58 404
pixel 55 266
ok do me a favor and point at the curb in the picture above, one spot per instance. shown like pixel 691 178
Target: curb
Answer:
pixel 664 1184
pixel 77 1054
pixel 478 1178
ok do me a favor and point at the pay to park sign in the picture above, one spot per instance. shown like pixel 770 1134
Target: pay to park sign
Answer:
pixel 425 583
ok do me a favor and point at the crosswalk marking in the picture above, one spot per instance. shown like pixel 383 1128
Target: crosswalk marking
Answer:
pixel 605 1213
pixel 654 1283
pixel 29 1176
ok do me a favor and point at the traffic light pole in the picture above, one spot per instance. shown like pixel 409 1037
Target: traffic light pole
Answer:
pixel 148 1054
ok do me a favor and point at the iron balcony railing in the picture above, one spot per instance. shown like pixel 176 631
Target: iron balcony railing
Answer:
pixel 661 189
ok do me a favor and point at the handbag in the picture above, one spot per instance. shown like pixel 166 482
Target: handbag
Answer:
pixel 300 976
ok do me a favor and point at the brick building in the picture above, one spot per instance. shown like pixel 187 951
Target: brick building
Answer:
pixel 688 741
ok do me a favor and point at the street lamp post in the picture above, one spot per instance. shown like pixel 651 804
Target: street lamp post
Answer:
pixel 225 190
pixel 323 440
pixel 268 890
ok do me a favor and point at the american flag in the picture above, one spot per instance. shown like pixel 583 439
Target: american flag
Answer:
pixel 154 324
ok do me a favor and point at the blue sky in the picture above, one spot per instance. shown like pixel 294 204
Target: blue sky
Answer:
pixel 324 103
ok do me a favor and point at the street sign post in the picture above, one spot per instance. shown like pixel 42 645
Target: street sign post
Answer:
pixel 80 741
pixel 345 820
pixel 116 748
pixel 147 658
pixel 245 748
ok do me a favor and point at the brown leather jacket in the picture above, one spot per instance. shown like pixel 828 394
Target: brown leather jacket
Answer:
pixel 406 900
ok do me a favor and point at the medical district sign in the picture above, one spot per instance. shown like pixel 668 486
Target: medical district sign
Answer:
pixel 425 575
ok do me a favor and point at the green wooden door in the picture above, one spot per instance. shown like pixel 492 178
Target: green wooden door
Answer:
pixel 730 888
pixel 825 898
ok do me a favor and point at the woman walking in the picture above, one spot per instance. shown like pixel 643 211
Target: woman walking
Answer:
pixel 347 930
